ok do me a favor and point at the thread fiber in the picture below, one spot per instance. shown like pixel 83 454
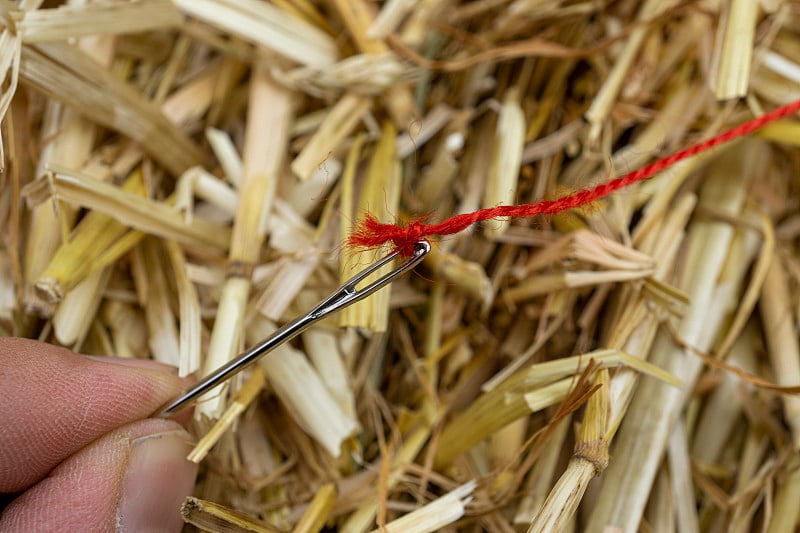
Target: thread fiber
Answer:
pixel 370 233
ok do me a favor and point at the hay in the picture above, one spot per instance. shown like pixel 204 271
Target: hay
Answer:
pixel 178 177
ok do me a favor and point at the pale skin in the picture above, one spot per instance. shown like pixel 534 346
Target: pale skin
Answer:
pixel 78 449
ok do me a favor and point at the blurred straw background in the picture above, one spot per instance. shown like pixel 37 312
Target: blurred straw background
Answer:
pixel 179 177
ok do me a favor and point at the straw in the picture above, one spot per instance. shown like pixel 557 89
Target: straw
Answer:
pixel 179 178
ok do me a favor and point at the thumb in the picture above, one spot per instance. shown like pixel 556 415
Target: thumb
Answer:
pixel 132 479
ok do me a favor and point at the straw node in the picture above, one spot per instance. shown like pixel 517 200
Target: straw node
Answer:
pixel 595 452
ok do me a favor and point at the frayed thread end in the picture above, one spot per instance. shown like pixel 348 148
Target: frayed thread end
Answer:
pixel 370 233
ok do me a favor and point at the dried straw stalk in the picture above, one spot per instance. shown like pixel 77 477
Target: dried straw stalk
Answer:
pixel 651 420
pixel 269 118
pixel 68 75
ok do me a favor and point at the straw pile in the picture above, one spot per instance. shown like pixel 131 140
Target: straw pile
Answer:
pixel 179 176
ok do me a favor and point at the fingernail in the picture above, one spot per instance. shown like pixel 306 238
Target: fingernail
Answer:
pixel 136 363
pixel 157 480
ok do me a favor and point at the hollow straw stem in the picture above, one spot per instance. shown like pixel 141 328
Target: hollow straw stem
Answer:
pixel 269 119
pixel 654 409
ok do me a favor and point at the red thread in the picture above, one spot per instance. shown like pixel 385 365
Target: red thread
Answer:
pixel 371 233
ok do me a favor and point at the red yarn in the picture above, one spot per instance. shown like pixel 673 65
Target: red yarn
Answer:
pixel 371 233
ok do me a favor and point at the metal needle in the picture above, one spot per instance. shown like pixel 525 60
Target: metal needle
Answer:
pixel 347 294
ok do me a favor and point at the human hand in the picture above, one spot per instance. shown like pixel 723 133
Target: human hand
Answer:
pixel 77 447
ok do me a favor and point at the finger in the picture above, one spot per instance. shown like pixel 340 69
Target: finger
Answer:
pixel 133 479
pixel 56 402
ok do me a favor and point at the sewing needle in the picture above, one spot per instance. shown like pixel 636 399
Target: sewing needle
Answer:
pixel 347 294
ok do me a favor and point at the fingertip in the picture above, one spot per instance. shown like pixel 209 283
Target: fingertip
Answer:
pixel 59 401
